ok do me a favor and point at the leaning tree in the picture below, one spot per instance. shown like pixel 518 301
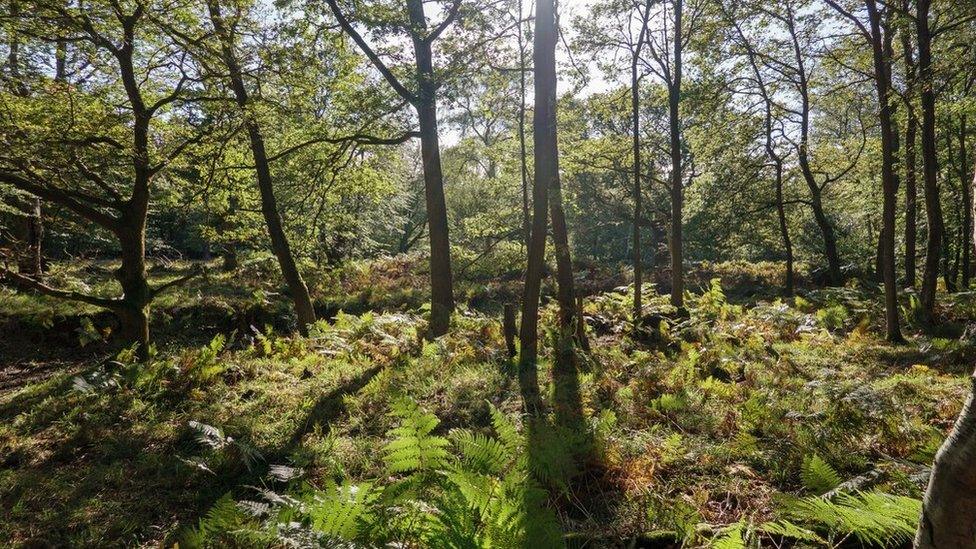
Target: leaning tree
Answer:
pixel 101 144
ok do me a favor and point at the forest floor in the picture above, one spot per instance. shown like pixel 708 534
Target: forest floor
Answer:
pixel 717 428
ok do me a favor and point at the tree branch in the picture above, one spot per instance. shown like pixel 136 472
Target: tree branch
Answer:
pixel 22 280
pixel 375 59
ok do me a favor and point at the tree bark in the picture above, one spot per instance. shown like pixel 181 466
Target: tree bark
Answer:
pixel 269 205
pixel 949 507
pixel 523 158
pixel 509 329
pixel 28 233
pixel 677 181
pixel 29 261
pixel 133 311
pixel 547 190
pixel 784 230
pixel 933 205
pixel 967 204
pixel 441 279
pixel 911 177
pixel 881 49
pixel 566 395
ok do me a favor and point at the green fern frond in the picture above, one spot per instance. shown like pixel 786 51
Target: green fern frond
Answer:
pixel 873 517
pixel 787 529
pixel 223 516
pixel 412 447
pixel 818 476
pixel 342 510
pixel 480 452
pixel 477 489
pixel 551 454
pixel 732 537
pixel 508 434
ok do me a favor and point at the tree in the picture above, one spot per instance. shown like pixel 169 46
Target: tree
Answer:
pixel 29 223
pixel 547 191
pixel 769 145
pixel 224 31
pixel 623 27
pixel 666 47
pixel 930 161
pixel 802 82
pixel 86 166
pixel 911 132
pixel 423 97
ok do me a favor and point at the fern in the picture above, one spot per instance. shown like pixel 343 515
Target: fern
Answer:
pixel 224 515
pixel 818 476
pixel 341 511
pixel 413 448
pixel 787 529
pixel 481 453
pixel 872 517
pixel 732 537
pixel 225 520
pixel 488 496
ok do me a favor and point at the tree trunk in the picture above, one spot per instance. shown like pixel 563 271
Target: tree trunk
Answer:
pixel 566 397
pixel 441 279
pixel 880 45
pixel 773 156
pixel 133 311
pixel 784 230
pixel 967 205
pixel 803 152
pixel 911 179
pixel 509 329
pixel 269 206
pixel 523 159
pixel 547 191
pixel 933 205
pixel 635 124
pixel 677 181
pixel 30 260
pixel 949 508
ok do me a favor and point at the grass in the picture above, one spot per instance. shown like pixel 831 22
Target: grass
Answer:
pixel 695 429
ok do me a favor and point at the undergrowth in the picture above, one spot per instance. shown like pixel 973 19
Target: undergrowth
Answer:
pixel 780 422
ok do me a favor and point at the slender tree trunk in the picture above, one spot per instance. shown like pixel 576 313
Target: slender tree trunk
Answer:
pixel 773 156
pixel 911 178
pixel 441 279
pixel 635 124
pixel 880 45
pixel 803 157
pixel 967 204
pixel 547 190
pixel 933 205
pixel 677 181
pixel 566 396
pixel 528 330
pixel 784 230
pixel 32 228
pixel 509 329
pixel 523 158
pixel 949 508
pixel 269 205
pixel 638 195
pixel 31 260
